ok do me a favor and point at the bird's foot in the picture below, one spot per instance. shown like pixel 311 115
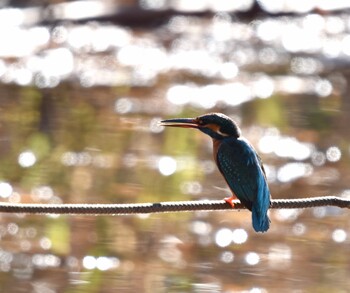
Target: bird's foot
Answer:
pixel 229 200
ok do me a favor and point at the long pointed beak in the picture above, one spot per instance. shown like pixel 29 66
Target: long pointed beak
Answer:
pixel 180 122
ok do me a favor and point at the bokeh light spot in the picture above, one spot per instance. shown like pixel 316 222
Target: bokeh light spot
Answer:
pixel 46 260
pixel 42 193
pixel 201 228
pixel 239 236
pixel 252 258
pixel 289 147
pixel 223 237
pixel 179 94
pixel 12 228
pixel 45 243
pixel 154 125
pixel 319 212
pixel 299 229
pixel 89 262
pixel 26 159
pixel 227 257
pixel 167 166
pixel 5 189
pixel 293 171
pixel 191 187
pixel 318 158
pixel 339 235
pixel 257 290
pixel 323 88
pixel 333 154
pixel 229 70
pixel 104 263
pixel 263 87
pixel 123 105
pixel 287 214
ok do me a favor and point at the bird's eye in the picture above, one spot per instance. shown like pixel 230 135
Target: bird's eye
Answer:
pixel 200 122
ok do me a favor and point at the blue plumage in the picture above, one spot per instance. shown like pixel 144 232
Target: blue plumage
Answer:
pixel 237 161
pixel 242 170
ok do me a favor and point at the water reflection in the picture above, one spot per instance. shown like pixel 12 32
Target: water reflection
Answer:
pixel 26 159
pixel 333 154
pixel 167 165
pixel 5 189
pixel 339 235
pixel 252 258
pixel 101 263
pixel 80 106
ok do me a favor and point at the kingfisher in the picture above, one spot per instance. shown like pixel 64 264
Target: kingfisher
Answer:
pixel 237 161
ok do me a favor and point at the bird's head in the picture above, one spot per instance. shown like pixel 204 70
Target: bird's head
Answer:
pixel 216 125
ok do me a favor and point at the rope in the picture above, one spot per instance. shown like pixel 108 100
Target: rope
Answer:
pixel 162 207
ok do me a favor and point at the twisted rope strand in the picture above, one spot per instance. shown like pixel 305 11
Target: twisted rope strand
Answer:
pixel 162 207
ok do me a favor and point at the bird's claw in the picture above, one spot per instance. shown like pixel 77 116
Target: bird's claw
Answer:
pixel 229 200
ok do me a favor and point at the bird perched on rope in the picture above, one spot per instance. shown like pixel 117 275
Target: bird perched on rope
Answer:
pixel 237 161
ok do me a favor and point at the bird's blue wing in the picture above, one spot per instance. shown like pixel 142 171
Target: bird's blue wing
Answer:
pixel 244 173
pixel 241 168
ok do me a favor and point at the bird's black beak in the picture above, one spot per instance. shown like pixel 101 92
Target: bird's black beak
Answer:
pixel 180 122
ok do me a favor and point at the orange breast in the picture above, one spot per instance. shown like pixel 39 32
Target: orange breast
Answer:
pixel 216 145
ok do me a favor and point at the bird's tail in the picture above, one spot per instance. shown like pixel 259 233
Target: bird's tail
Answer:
pixel 261 221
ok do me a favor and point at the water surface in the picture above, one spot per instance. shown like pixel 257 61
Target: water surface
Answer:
pixel 79 110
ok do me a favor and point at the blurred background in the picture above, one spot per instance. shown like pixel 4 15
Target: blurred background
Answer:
pixel 83 85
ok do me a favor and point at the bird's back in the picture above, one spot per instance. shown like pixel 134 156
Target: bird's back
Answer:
pixel 242 169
